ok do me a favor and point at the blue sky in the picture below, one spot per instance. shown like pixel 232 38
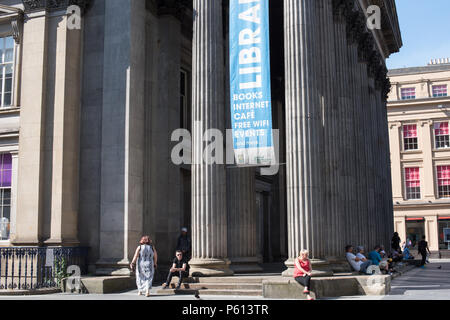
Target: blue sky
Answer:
pixel 425 26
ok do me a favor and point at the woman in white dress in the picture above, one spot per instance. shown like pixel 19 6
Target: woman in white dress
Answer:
pixel 144 263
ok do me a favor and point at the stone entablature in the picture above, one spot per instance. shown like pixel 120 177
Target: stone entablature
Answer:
pixel 352 14
pixel 53 5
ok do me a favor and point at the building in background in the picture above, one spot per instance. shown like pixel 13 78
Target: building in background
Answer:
pixel 419 116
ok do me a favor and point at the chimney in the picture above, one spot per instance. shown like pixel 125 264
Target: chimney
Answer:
pixel 439 61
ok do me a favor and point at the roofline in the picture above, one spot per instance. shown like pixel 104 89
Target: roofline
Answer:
pixel 419 70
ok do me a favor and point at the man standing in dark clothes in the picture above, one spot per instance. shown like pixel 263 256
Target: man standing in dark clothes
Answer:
pixel 184 244
pixel 395 244
pixel 423 249
pixel 179 269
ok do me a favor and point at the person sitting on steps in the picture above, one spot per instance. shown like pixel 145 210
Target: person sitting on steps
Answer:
pixel 356 263
pixel 179 269
pixel 303 272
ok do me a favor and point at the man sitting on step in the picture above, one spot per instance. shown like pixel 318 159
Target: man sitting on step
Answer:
pixel 179 269
pixel 356 263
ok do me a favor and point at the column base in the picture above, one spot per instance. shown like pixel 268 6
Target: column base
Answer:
pixel 321 268
pixel 245 265
pixel 113 268
pixel 62 242
pixel 339 265
pixel 210 268
pixel 26 242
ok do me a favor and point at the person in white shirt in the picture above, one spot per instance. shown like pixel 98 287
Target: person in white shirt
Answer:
pixel 360 253
pixel 356 263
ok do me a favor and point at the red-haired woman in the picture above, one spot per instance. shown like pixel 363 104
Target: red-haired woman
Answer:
pixel 147 260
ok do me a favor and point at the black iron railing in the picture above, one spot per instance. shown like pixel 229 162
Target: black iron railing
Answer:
pixel 36 268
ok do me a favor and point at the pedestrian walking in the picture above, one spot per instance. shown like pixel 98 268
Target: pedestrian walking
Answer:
pixel 423 250
pixel 144 263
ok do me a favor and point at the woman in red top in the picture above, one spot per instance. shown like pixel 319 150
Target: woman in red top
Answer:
pixel 303 272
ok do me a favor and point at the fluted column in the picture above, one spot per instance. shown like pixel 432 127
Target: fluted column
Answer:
pixel 341 121
pixel 209 212
pixel 303 131
pixel 344 123
pixel 328 78
pixel 242 229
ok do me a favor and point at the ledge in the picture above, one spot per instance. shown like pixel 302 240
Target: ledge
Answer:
pixel 39 292
pixel 105 285
pixel 337 286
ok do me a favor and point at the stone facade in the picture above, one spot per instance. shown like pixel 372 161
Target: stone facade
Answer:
pixel 97 108
pixel 417 106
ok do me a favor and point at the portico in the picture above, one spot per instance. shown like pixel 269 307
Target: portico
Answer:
pixel 98 107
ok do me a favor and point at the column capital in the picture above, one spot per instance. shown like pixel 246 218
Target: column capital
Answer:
pixel 393 125
pixel 426 122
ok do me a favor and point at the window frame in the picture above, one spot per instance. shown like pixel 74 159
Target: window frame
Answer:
pixel 404 138
pixel 405 182
pixel 433 87
pixel 3 66
pixel 408 97
pixel 435 136
pixel 3 190
pixel 437 181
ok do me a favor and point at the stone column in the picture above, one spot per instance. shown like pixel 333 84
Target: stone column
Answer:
pixel 394 129
pixel 209 208
pixel 303 132
pixel 432 233
pixel 331 114
pixel 165 179
pixel 384 172
pixel 242 228
pixel 425 138
pixel 356 215
pixel 400 227
pixel 66 101
pixel 32 131
pixel 123 145
pixel 341 123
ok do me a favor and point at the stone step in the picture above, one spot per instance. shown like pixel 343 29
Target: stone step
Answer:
pixel 212 292
pixel 227 280
pixel 226 285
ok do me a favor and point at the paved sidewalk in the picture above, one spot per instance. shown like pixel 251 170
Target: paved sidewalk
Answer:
pixel 131 296
pixel 430 283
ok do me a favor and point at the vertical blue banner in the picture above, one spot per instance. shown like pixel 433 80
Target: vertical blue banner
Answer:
pixel 251 99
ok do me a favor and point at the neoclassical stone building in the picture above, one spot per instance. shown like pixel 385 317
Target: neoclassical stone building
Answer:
pixel 87 116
